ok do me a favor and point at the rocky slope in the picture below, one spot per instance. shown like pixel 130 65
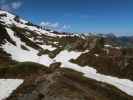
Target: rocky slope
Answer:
pixel 66 84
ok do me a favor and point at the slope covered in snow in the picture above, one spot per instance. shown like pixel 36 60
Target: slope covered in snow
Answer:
pixel 9 20
pixel 32 43
pixel 123 84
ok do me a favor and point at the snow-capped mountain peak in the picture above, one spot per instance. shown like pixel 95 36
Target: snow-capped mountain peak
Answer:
pixel 10 20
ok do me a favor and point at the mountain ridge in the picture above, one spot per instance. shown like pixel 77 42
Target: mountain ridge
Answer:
pixel 27 51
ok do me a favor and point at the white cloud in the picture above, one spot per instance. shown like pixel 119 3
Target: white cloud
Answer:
pixel 66 26
pixel 55 26
pixel 50 25
pixel 16 5
pixel 10 6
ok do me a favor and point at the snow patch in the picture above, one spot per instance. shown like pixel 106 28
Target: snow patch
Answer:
pixel 48 47
pixel 7 86
pixel 124 85
pixel 108 46
pixel 97 55
pixel 21 55
pixel 65 56
pixel 18 54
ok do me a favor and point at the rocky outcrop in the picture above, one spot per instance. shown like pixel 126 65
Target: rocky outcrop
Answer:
pixel 66 84
pixel 4 36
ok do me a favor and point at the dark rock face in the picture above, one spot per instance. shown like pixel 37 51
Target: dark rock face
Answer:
pixel 66 84
pixel 88 43
pixel 117 62
pixel 4 36
pixel 19 33
pixel 53 67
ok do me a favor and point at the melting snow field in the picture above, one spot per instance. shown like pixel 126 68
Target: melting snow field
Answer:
pixel 7 86
pixel 124 85
pixel 64 56
pixel 21 55
pixel 17 53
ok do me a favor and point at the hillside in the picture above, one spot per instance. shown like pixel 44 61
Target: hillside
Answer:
pixel 50 65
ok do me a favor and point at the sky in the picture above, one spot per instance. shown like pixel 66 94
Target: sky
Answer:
pixel 102 16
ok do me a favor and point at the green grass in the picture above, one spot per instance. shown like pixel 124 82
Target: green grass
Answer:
pixel 21 68
pixel 102 89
